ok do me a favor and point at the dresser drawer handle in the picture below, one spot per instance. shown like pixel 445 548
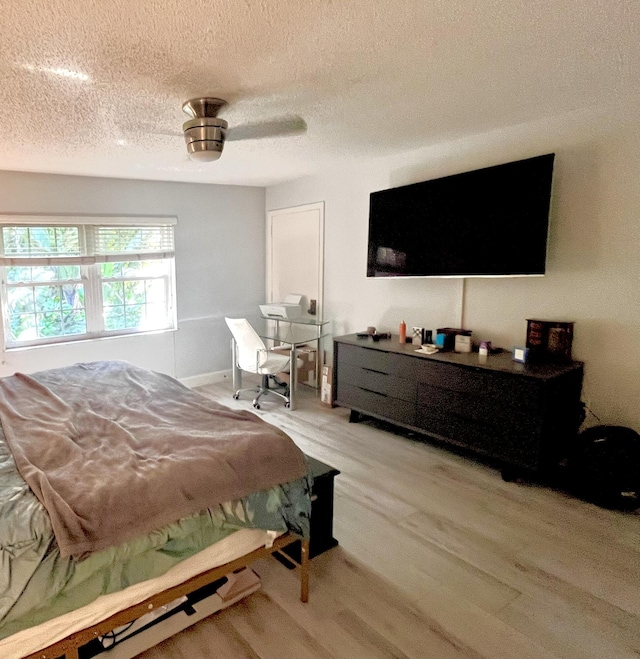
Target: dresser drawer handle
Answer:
pixel 371 391
pixel 373 370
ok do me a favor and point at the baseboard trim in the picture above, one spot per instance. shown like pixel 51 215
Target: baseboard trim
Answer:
pixel 205 378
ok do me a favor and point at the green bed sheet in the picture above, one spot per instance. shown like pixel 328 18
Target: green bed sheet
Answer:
pixel 37 584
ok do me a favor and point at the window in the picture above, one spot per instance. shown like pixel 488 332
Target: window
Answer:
pixel 65 279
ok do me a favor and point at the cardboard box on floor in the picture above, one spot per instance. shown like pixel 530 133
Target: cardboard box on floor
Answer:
pixel 307 372
pixel 325 385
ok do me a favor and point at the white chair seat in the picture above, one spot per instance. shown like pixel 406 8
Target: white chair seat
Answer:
pixel 275 363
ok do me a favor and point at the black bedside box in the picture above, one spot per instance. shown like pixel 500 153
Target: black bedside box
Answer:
pixel 321 511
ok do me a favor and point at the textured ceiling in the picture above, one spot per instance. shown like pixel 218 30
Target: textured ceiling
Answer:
pixel 96 87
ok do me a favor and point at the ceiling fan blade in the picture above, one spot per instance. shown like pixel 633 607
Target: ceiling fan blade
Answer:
pixel 289 125
pixel 146 128
pixel 170 133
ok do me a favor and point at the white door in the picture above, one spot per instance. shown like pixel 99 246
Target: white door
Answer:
pixel 295 254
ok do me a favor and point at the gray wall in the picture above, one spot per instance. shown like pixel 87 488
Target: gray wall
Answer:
pixel 593 267
pixel 220 264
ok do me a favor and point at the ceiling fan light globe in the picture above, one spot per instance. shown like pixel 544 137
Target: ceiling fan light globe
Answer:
pixel 204 151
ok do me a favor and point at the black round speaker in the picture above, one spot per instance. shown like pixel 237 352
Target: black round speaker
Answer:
pixel 604 466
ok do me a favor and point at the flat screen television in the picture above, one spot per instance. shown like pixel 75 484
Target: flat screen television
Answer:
pixel 490 222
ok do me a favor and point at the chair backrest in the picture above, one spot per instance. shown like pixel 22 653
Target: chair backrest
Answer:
pixel 251 351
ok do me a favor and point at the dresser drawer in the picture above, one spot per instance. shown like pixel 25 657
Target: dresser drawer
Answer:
pixel 382 383
pixel 372 402
pixel 503 389
pixel 518 446
pixel 378 360
pixel 480 409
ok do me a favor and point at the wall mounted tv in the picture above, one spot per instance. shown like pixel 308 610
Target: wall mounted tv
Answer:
pixel 490 222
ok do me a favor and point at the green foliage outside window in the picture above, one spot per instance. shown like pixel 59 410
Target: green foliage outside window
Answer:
pixel 41 241
pixel 134 302
pixel 46 311
pixel 47 300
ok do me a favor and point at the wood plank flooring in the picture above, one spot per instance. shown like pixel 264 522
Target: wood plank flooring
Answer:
pixel 438 557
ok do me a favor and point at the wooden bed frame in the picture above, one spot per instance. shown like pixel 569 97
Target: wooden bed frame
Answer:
pixel 68 647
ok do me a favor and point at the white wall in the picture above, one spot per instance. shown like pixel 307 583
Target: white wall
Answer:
pixel 220 262
pixel 593 268
pixel 351 301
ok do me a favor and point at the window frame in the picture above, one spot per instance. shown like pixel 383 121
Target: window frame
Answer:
pixel 90 261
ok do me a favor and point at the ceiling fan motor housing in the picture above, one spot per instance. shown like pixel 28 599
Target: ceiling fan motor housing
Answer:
pixel 205 133
pixel 205 137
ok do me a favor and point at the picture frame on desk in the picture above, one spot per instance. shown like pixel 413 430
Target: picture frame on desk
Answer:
pixel 520 354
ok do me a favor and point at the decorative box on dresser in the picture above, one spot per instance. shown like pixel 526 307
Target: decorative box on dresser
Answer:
pixel 523 415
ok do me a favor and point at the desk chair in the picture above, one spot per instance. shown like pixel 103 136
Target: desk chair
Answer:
pixel 254 357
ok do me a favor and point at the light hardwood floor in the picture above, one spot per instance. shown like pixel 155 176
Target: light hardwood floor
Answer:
pixel 438 557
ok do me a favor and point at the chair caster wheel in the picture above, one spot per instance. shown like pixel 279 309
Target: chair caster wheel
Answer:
pixel 287 405
pixel 257 405
pixel 236 396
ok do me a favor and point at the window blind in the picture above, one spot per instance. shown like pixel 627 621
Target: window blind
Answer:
pixel 53 244
pixel 74 220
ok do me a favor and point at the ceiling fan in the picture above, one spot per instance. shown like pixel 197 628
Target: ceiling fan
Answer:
pixel 205 133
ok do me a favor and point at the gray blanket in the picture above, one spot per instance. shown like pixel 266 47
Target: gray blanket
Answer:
pixel 112 450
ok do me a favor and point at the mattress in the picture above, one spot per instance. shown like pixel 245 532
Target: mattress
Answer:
pixel 233 546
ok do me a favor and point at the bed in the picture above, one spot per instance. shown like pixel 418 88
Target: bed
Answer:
pixel 120 490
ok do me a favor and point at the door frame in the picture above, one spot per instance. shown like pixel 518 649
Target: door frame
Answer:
pixel 317 206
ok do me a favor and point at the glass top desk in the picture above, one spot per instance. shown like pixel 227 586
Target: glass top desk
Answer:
pixel 294 333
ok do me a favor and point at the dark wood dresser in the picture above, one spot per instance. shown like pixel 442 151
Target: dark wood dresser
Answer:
pixel 523 415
